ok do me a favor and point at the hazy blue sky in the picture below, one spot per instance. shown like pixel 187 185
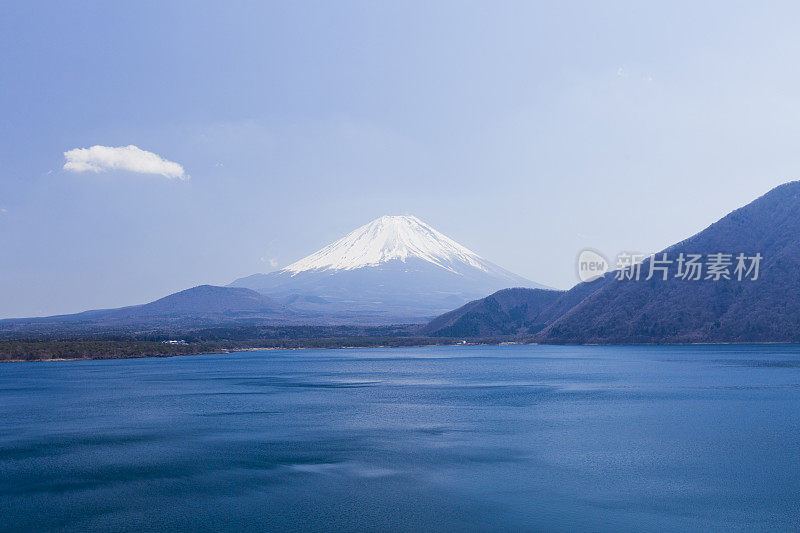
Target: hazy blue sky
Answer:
pixel 525 131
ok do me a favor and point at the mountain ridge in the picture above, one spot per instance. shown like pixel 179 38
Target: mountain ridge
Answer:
pixel 198 301
pixel 506 312
pixel 394 266
pixel 608 310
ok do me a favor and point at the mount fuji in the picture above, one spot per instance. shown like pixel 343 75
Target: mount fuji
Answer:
pixel 394 268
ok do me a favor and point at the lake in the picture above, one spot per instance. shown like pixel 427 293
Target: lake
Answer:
pixel 439 438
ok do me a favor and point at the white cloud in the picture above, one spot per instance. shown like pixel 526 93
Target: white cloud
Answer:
pixel 272 261
pixel 131 158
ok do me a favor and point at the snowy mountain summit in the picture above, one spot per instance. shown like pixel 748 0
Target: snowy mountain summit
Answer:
pixel 394 269
pixel 390 238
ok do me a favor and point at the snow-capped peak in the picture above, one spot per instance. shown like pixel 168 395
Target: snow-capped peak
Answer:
pixel 390 238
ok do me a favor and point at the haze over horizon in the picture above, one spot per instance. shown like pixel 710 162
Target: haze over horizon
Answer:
pixel 150 148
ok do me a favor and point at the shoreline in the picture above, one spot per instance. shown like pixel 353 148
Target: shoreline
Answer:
pixel 381 346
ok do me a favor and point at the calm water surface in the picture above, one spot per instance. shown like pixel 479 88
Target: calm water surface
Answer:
pixel 455 438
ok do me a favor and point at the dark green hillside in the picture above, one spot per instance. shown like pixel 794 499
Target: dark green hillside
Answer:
pixel 506 312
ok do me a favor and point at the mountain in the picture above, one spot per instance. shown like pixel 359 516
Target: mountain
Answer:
pixel 208 300
pixel 506 312
pixel 677 310
pixel 393 270
pixel 393 267
pixel 610 310
pixel 205 302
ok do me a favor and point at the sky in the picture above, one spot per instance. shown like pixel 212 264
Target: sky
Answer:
pixel 242 136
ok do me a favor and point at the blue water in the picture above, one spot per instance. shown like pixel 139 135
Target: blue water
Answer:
pixel 454 438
